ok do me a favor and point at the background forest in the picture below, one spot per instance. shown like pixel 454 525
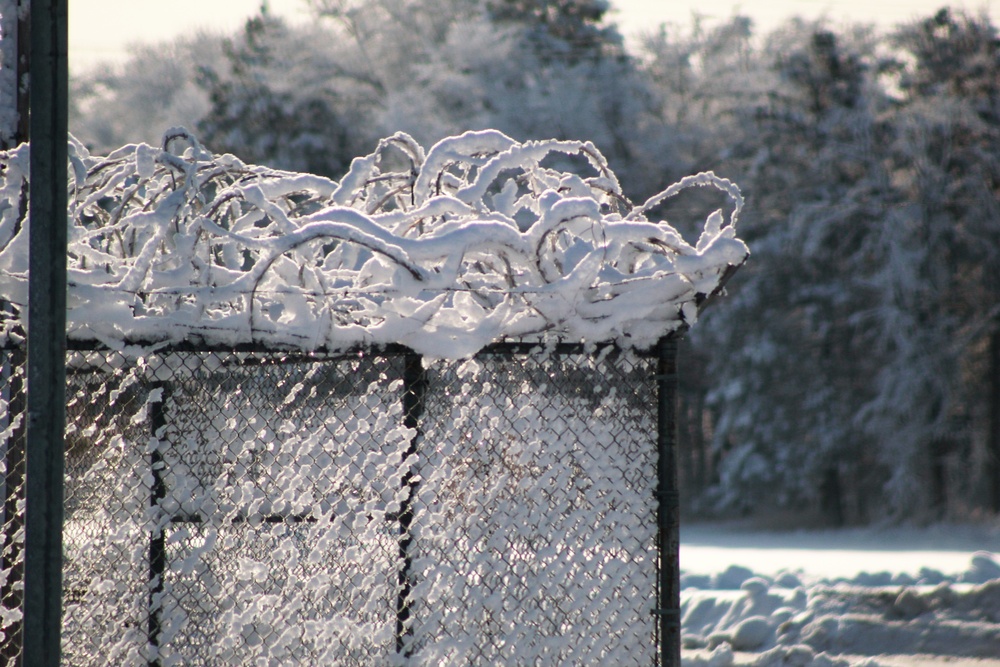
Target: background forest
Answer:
pixel 852 374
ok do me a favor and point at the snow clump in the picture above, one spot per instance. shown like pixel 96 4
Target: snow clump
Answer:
pixel 811 625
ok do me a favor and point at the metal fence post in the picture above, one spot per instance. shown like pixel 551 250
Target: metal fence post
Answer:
pixel 15 54
pixel 157 538
pixel 668 514
pixel 46 336
pixel 414 392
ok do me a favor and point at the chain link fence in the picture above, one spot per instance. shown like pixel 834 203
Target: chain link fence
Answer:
pixel 235 508
pixel 12 469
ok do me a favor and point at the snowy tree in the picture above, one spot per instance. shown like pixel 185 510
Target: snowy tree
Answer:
pixel 571 30
pixel 704 71
pixel 859 337
pixel 272 105
pixel 946 130
pixel 151 91
pixel 441 66
pixel 851 367
pixel 788 363
pixel 431 68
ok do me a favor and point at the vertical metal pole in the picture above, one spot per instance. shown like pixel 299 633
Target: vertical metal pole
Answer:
pixel 414 392
pixel 157 537
pixel 668 515
pixel 14 57
pixel 46 335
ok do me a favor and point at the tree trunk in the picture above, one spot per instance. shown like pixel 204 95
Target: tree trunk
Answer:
pixel 701 445
pixel 831 498
pixel 993 441
pixel 939 449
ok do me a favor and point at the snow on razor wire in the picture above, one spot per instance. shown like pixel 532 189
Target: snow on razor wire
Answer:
pixel 480 239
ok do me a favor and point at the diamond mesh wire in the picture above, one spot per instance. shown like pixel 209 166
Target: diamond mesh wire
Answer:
pixel 535 513
pixel 271 509
pixel 234 511
pixel 12 490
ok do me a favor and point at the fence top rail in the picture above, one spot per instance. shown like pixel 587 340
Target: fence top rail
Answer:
pixel 292 355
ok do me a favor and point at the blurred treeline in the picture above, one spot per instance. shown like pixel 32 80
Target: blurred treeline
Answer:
pixel 852 373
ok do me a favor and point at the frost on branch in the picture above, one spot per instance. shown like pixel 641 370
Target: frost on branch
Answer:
pixel 480 239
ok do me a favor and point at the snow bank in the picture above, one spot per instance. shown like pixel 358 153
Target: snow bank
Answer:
pixel 480 239
pixel 786 622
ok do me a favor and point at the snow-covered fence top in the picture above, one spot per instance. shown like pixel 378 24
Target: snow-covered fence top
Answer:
pixel 480 239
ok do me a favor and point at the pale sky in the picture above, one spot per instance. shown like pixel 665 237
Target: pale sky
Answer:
pixel 101 29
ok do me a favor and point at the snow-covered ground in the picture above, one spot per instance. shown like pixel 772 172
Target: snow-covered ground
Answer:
pixel 830 554
pixel 889 597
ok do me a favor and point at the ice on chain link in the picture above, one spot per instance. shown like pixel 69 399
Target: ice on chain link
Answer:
pixel 477 240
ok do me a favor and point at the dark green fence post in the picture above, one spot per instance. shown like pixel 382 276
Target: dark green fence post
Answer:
pixel 414 391
pixel 668 514
pixel 157 536
pixel 46 336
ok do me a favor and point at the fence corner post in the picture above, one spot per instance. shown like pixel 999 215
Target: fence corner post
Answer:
pixel 46 334
pixel 668 512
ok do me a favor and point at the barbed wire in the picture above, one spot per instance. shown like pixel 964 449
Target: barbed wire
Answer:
pixel 473 237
